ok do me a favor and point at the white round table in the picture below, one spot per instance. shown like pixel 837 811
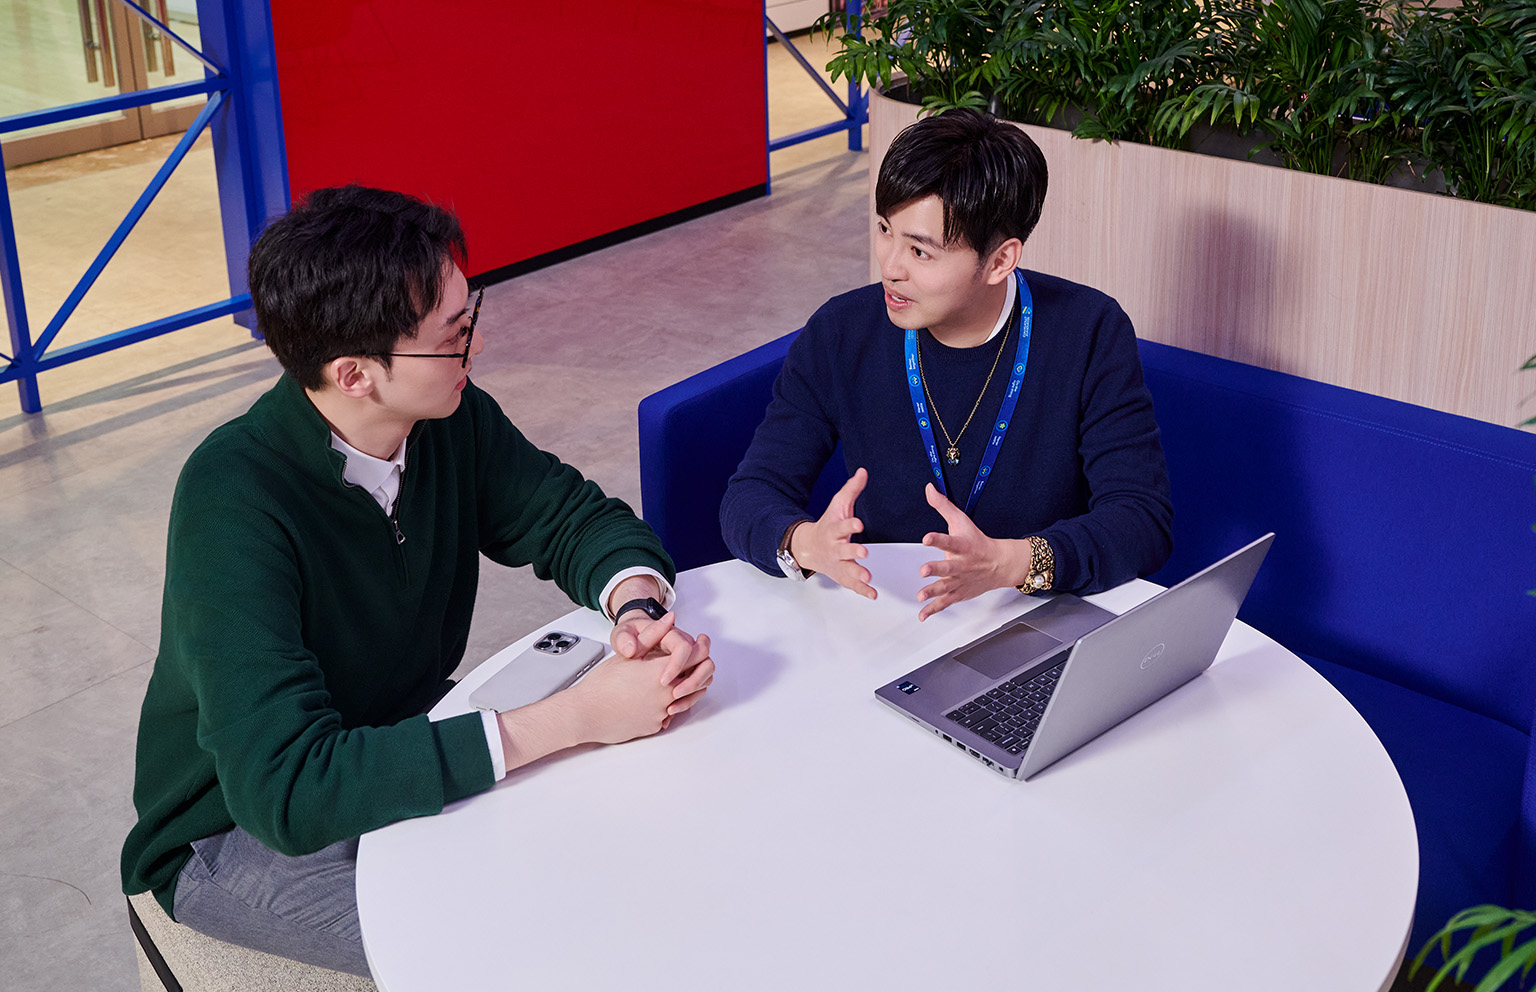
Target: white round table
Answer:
pixel 1246 832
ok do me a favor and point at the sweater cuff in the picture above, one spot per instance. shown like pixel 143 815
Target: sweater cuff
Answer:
pixel 1068 571
pixel 463 757
pixel 775 523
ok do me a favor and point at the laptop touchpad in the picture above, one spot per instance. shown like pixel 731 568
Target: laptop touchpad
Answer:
pixel 1007 650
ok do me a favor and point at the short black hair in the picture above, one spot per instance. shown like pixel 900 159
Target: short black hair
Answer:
pixel 989 174
pixel 349 271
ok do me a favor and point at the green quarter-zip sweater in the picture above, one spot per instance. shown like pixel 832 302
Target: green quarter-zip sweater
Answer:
pixel 303 630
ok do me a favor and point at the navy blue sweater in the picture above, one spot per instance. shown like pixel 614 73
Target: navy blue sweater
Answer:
pixel 1081 465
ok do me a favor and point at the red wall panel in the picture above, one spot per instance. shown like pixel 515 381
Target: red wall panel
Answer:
pixel 541 124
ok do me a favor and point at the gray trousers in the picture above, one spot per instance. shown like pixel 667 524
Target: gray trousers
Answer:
pixel 237 890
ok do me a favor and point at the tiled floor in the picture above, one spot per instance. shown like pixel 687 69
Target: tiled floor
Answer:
pixel 85 486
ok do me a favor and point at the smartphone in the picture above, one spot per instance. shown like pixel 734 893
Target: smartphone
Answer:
pixel 556 661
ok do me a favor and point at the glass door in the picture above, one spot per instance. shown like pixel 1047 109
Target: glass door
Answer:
pixel 159 61
pixel 57 52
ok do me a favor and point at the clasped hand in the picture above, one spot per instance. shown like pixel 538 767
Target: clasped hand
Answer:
pixel 682 661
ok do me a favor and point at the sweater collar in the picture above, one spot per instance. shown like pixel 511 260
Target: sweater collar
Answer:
pixel 293 424
pixel 290 422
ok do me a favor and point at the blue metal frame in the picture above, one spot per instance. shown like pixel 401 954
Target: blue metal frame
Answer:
pixel 243 111
pixel 855 110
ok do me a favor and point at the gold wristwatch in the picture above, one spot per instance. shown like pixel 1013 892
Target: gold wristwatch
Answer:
pixel 1042 567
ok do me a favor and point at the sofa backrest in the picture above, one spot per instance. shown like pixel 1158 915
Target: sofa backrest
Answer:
pixel 1404 545
pixel 692 437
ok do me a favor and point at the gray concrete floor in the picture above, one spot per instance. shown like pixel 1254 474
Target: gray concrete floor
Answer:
pixel 85 486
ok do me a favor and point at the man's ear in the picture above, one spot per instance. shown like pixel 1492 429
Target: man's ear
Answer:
pixel 1003 260
pixel 351 376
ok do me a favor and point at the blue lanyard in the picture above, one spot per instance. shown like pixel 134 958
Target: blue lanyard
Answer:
pixel 1026 310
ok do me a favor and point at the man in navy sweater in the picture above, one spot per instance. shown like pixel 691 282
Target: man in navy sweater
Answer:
pixel 996 415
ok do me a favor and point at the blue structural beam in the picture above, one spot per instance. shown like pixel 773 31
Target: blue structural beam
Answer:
pixel 107 104
pixel 126 227
pixel 855 111
pixel 15 306
pixel 810 70
pixel 243 114
pixel 165 29
pixel 143 332
pixel 248 147
pixel 809 134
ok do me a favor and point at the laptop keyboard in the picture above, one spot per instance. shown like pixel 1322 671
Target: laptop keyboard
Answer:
pixel 1008 714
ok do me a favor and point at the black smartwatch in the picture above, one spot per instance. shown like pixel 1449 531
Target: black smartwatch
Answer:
pixel 648 606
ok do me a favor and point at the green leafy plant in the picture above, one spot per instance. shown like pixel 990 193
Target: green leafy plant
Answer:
pixel 1112 61
pixel 1342 87
pixel 1484 927
pixel 943 49
pixel 1465 78
pixel 1117 61
pixel 1307 74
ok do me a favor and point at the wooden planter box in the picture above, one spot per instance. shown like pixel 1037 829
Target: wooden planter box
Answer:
pixel 1403 294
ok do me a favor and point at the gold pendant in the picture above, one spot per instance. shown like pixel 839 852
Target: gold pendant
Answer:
pixel 952 455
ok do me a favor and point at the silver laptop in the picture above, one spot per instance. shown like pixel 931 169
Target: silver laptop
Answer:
pixel 1043 685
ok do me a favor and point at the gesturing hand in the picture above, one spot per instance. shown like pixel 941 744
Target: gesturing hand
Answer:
pixel 973 563
pixel 827 545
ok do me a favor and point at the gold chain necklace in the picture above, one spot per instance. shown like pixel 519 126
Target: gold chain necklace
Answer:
pixel 952 453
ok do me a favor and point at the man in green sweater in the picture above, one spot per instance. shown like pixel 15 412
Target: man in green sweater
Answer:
pixel 321 570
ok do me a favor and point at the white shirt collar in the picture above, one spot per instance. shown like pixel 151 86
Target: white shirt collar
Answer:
pixel 1007 314
pixel 372 474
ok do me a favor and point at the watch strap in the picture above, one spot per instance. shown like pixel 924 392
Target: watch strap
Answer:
pixel 647 605
pixel 787 563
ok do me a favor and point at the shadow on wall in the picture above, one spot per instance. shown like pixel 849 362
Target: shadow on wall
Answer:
pixel 1231 271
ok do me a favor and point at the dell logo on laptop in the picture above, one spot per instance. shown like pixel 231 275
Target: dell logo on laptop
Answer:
pixel 909 687
pixel 1153 655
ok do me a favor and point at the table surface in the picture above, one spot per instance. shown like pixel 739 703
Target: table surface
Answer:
pixel 1247 831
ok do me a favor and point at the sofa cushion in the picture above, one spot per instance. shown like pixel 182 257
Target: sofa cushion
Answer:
pixel 1464 774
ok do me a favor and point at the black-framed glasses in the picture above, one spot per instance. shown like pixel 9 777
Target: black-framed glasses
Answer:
pixel 469 339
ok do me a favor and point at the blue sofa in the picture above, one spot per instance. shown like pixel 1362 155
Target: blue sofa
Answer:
pixel 1403 554
pixel 692 437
